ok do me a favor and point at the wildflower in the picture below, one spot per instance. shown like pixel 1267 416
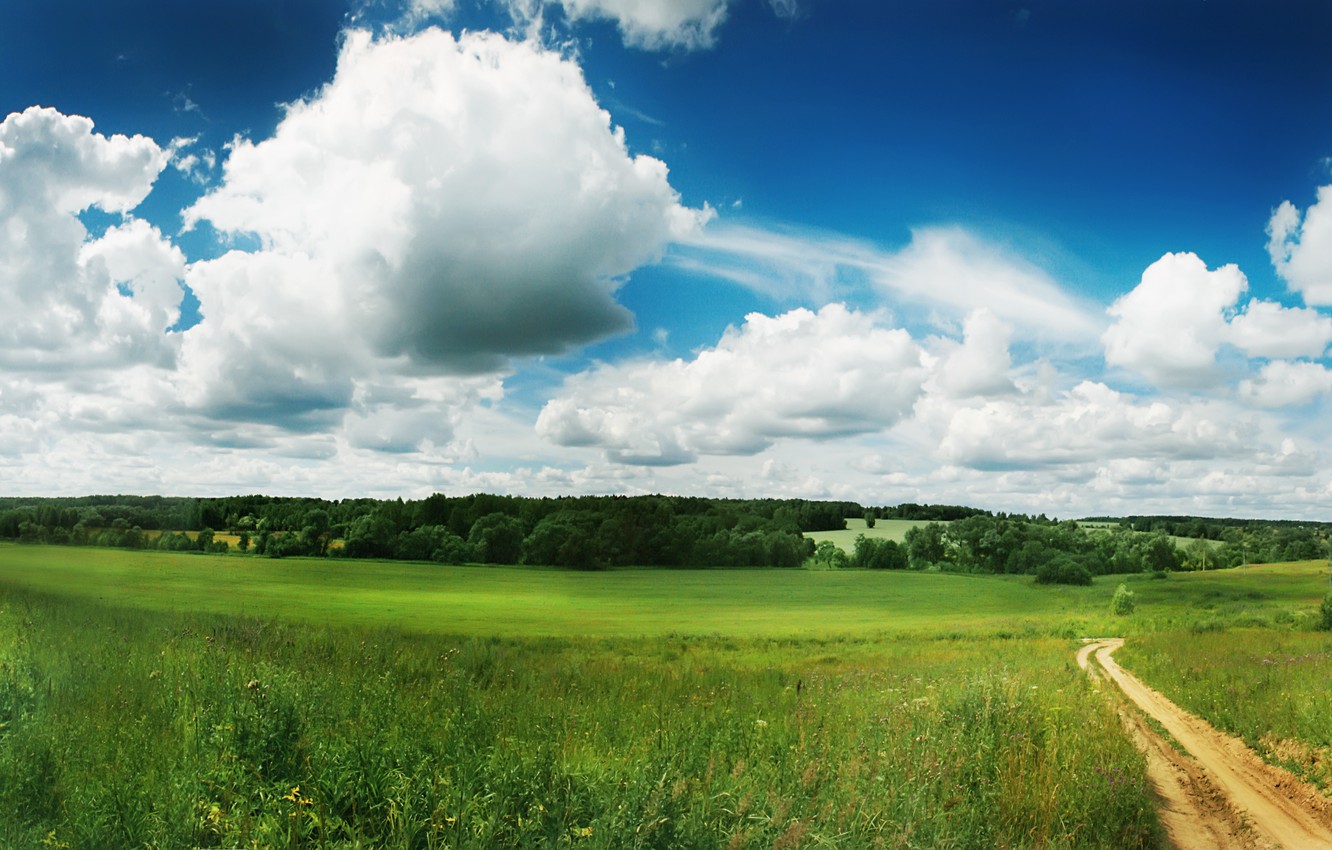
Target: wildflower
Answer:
pixel 581 832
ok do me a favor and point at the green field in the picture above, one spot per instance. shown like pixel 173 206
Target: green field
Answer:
pixel 896 529
pixel 884 529
pixel 169 700
pixel 516 601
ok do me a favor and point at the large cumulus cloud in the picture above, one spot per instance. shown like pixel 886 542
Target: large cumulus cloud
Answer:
pixel 818 375
pixel 441 206
pixel 1300 244
pixel 69 300
pixel 1176 324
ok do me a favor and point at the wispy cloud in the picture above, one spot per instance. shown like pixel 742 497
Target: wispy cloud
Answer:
pixel 946 269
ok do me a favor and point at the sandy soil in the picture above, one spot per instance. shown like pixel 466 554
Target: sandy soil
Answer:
pixel 1220 795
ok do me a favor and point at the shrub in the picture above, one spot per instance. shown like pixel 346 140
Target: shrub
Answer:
pixel 1062 569
pixel 1123 602
pixel 1325 614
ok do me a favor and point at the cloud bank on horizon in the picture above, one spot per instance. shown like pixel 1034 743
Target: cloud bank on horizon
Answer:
pixel 463 262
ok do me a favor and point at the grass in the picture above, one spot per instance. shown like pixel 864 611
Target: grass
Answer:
pixel 536 602
pixel 131 728
pixel 174 700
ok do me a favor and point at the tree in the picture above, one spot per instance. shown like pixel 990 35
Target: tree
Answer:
pixel 1160 554
pixel 563 539
pixel 882 554
pixel 497 538
pixel 1063 569
pixel 925 545
pixel 1325 614
pixel 827 556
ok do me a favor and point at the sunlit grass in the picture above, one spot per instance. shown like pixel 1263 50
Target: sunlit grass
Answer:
pixel 132 728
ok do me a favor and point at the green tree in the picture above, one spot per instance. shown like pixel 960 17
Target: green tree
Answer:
pixel 497 538
pixel 1063 569
pixel 827 556
pixel 1160 554
pixel 925 545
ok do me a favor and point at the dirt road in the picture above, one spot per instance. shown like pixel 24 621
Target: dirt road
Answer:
pixel 1220 795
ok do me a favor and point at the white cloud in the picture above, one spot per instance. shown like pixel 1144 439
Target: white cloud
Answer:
pixel 1086 424
pixel 441 206
pixel 68 300
pixel 1301 247
pixel 801 374
pixel 944 269
pixel 198 164
pixel 656 24
pixel 1284 383
pixel 1267 329
pixel 979 365
pixel 1171 324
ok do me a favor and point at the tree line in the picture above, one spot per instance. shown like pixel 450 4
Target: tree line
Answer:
pixel 595 532
pixel 583 531
pixel 1071 552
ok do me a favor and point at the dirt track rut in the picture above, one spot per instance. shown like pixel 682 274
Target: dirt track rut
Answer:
pixel 1221 795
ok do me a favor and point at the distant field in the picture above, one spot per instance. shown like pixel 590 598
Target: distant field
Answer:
pixel 884 529
pixel 896 529
pixel 474 600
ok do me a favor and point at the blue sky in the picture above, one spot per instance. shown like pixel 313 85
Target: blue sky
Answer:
pixel 1051 257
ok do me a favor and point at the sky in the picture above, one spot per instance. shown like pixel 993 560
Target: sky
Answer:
pixel 1071 258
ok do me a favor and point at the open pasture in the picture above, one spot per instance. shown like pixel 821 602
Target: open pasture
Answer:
pixel 130 728
pixel 189 700
pixel 884 529
pixel 515 601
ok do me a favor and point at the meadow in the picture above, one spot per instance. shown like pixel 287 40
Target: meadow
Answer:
pixel 159 700
pixel 884 529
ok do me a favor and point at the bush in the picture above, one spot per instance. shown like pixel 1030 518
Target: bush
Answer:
pixel 1062 569
pixel 1122 603
pixel 1325 614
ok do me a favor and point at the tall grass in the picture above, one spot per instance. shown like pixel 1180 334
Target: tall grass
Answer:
pixel 132 728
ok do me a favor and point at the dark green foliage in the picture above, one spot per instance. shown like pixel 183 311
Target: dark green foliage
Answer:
pixel 647 531
pixel 1063 569
pixel 1161 555
pixel 497 539
pixel 874 554
pixel 1325 614
pixel 926 546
